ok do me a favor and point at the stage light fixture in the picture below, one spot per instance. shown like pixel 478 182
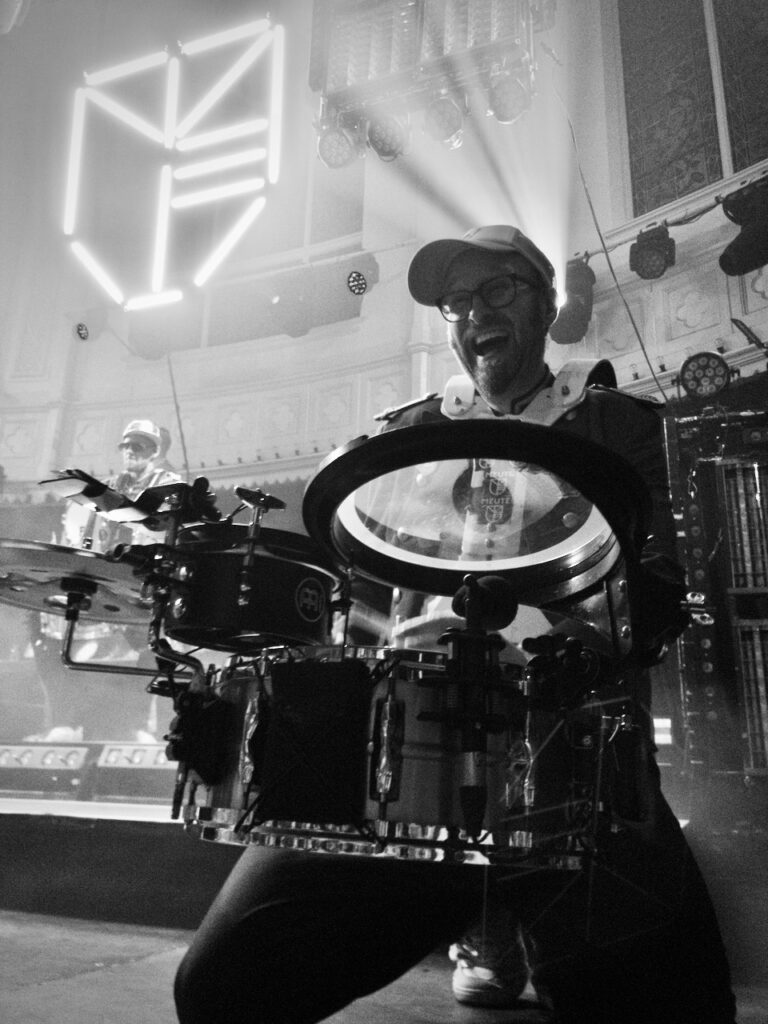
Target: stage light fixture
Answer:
pixel 508 97
pixel 573 317
pixel 747 207
pixel 337 146
pixel 388 136
pixel 704 374
pixel 444 121
pixel 652 254
pixel 357 283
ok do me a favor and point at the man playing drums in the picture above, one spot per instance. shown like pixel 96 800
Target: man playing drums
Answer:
pixel 93 705
pixel 294 937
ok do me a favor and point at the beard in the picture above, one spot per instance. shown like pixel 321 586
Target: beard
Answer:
pixel 492 379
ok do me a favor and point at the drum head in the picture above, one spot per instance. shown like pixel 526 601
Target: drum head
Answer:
pixel 422 506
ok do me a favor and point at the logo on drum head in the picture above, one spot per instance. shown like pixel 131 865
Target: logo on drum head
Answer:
pixel 488 497
pixel 310 599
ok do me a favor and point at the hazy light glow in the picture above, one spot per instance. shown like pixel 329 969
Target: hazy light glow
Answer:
pixel 129 67
pixel 219 163
pixel 231 35
pixel 97 271
pixel 224 84
pixel 161 229
pixel 75 161
pixel 175 133
pixel 155 299
pixel 171 103
pixel 443 121
pixel 213 195
pixel 229 241
pixel 662 731
pixel 219 135
pixel 519 174
pixel 276 104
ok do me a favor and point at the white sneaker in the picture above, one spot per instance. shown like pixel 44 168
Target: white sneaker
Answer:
pixel 488 973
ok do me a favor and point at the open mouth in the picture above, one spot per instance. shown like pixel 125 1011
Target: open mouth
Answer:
pixel 487 343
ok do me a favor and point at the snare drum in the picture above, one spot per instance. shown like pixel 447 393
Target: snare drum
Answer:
pixel 230 596
pixel 354 751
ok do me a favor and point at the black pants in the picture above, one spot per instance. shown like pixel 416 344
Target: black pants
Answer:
pixel 293 938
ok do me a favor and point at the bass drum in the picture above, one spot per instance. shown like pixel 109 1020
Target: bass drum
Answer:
pixel 354 750
pixel 227 594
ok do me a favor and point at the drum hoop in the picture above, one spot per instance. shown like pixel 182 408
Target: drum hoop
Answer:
pixel 602 476
pixel 291 547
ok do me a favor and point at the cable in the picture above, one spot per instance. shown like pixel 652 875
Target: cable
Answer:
pixel 178 418
pixel 604 247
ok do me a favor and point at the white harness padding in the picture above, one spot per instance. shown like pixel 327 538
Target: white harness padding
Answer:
pixel 461 401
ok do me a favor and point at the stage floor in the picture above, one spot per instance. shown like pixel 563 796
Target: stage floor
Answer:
pixel 98 903
pixel 71 971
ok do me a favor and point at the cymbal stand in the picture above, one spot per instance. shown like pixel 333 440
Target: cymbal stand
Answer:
pixel 79 590
pixel 582 726
pixel 260 503
pixel 156 563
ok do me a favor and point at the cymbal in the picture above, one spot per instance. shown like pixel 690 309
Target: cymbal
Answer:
pixel 32 575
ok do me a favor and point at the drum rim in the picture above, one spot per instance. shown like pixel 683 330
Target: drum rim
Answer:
pixel 598 473
pixel 276 543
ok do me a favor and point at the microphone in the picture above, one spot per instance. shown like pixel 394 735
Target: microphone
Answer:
pixel 488 600
pixel 749 334
pixel 258 498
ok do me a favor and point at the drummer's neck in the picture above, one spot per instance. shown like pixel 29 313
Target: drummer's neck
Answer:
pixel 521 402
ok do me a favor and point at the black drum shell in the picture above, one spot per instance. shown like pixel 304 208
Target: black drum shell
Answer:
pixel 227 595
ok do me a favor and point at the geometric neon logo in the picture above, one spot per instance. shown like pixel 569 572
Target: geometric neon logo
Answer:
pixel 197 156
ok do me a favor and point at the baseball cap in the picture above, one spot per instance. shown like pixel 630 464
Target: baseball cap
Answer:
pixel 429 267
pixel 145 429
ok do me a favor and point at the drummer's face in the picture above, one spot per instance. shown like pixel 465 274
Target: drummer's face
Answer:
pixel 501 348
pixel 137 454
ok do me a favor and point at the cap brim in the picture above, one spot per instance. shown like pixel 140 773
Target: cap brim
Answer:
pixel 143 437
pixel 429 267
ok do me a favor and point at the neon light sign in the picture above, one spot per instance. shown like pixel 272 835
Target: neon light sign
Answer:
pixel 196 166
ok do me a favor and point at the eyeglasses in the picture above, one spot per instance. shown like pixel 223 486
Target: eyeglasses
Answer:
pixel 496 293
pixel 136 447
